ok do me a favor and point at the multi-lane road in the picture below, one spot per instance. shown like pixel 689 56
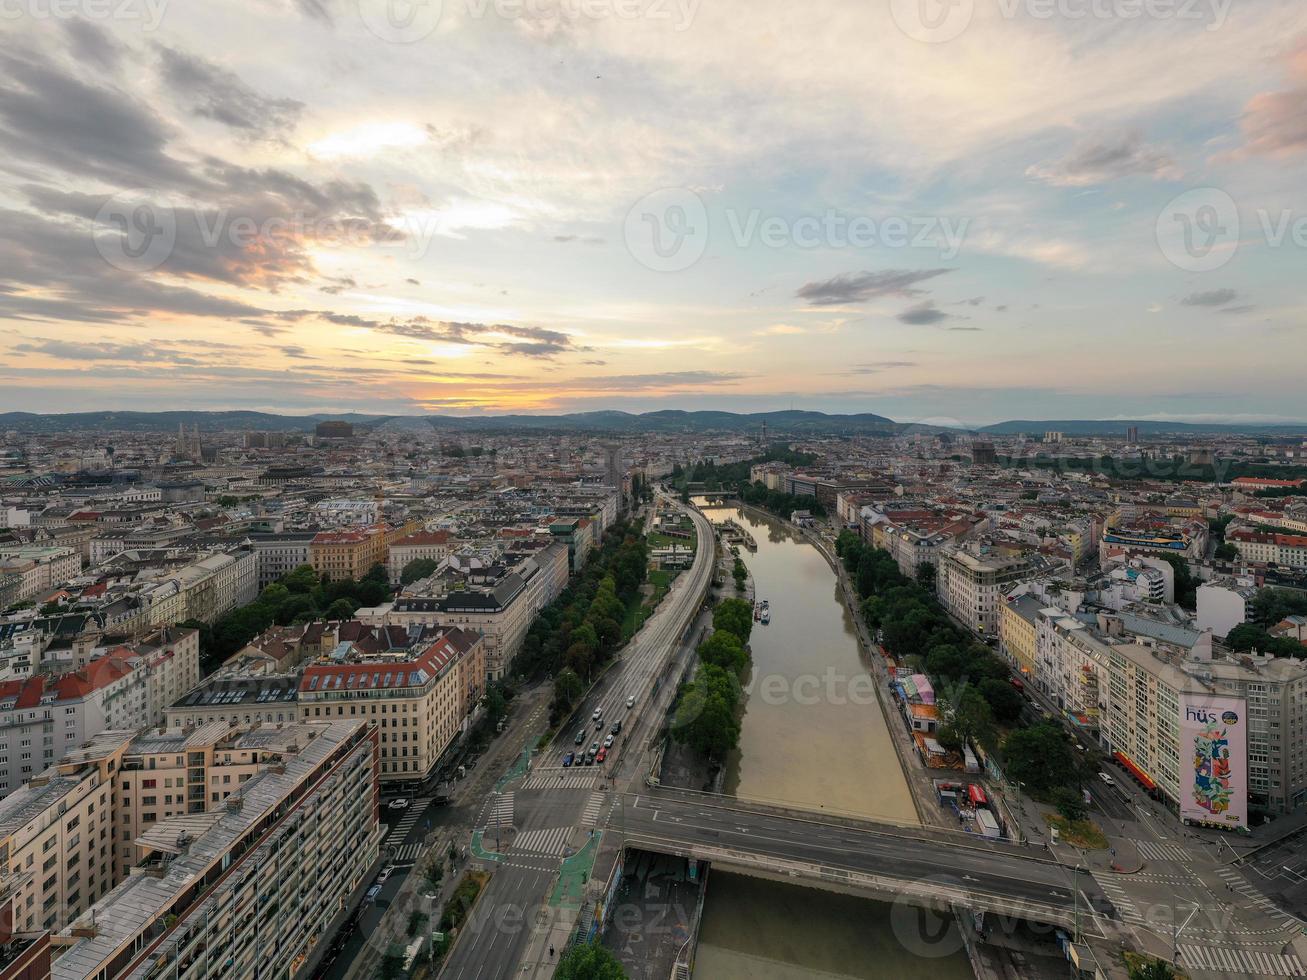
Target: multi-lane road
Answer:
pixel 551 810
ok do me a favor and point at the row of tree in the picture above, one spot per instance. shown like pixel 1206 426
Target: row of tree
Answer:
pixel 707 713
pixel 573 637
pixel 976 698
pixel 302 596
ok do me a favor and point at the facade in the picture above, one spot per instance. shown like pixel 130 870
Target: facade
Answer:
pixel 1223 605
pixel 433 545
pixel 250 889
pixel 38 569
pixel 1270 549
pixel 277 555
pixel 419 704
pixel 1016 634
pixel 972 583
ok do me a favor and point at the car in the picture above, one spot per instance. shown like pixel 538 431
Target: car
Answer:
pixel 569 759
pixel 608 742
pixel 580 737
pixel 372 893
pixel 603 754
pixel 399 804
pixel 1107 779
pixel 385 873
pixel 599 713
pixel 630 702
pixel 589 759
pixel 594 747
pixel 617 728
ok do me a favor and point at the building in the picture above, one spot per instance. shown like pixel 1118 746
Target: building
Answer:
pixel 973 581
pixel 1016 634
pixel 1270 549
pixel 982 453
pixel 250 889
pixel 334 429
pixel 237 699
pixel 420 703
pixel 1150 688
pixel 277 555
pixel 1223 604
pixel 431 545
pixel 38 569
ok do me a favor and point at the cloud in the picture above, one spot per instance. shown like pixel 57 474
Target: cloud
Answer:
pixel 923 314
pixel 1106 158
pixel 780 330
pixel 1211 297
pixel 878 366
pixel 213 92
pixel 863 286
pixel 1274 123
pixel 93 45
pixel 526 341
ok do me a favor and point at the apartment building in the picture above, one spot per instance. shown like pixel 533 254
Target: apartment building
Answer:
pixel 43 717
pixel 418 703
pixel 38 570
pixel 502 610
pixel 432 545
pixel 250 889
pixel 1269 549
pixel 1149 686
pixel 237 699
pixel 352 553
pixel 1224 604
pixel 1072 663
pixel 277 555
pixel 1017 636
pixel 972 582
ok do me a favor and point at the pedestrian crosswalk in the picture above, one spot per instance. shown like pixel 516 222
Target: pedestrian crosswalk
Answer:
pixel 1124 907
pixel 1249 962
pixel 590 816
pixel 501 811
pixel 411 817
pixel 1154 851
pixel 551 841
pixel 1238 883
pixel 406 853
pixel 564 779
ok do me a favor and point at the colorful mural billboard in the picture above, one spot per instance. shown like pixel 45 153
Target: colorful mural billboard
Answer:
pixel 1213 760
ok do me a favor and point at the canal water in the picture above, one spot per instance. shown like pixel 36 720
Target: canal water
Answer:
pixel 812 735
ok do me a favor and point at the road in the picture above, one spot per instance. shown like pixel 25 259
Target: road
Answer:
pixel 548 815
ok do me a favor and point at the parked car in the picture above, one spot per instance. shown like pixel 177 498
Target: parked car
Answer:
pixel 603 754
pixel 630 702
pixel 617 728
pixel 608 742
pixel 372 893
pixel 399 804
pixel 385 873
pixel 580 737
pixel 1107 779
pixel 569 759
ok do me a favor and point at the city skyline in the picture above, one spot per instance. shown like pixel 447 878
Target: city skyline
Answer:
pixel 311 207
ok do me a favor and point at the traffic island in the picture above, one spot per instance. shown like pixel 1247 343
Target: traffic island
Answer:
pixel 574 875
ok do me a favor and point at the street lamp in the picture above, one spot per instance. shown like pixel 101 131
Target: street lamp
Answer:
pixel 1075 897
pixel 1176 930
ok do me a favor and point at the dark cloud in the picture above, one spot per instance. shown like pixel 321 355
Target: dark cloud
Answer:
pixel 877 367
pixel 213 92
pixel 505 338
pixel 863 286
pixel 923 314
pixel 319 10
pixel 1211 297
pixel 1246 308
pixel 337 285
pixel 92 45
pixel 413 282
pixel 1099 160
pixel 52 119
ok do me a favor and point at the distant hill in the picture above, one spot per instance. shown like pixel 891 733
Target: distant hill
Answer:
pixel 1089 427
pixel 617 423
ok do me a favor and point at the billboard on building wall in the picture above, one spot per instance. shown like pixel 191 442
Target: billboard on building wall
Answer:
pixel 1213 760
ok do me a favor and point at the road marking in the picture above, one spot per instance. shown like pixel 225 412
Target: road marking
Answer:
pixel 1162 852
pixel 551 841
pixel 1243 961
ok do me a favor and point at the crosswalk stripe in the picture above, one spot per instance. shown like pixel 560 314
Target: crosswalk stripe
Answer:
pixel 1254 962
pixel 592 808
pixel 550 841
pixel 562 779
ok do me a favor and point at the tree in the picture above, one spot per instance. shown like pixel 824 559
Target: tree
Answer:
pixel 735 616
pixel 1247 636
pixel 969 721
pixel 416 569
pixel 1070 803
pixel 341 609
pixel 1042 757
pixel 589 962
pixel 1152 969
pixel 705 715
pixel 723 649
pixel 391 966
pixel 1225 551
pixel 1186 587
pixel 926 575
pixel 568 688
pixel 1004 700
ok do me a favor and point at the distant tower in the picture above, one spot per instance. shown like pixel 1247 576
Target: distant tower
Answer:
pixel 613 465
pixel 764 433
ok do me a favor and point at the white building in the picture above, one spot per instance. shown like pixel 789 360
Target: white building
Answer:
pixel 1223 604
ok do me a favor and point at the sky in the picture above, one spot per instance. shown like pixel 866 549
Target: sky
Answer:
pixel 955 211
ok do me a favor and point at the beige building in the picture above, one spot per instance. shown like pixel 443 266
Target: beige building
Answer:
pixel 419 704
pixel 1016 634
pixel 251 888
pixel 432 545
pixel 971 585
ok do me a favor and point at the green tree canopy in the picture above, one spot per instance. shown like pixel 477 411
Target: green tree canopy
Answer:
pixel 589 962
pixel 416 569
pixel 723 649
pixel 1043 758
pixel 736 616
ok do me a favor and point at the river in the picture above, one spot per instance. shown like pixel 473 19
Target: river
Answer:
pixel 812 735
